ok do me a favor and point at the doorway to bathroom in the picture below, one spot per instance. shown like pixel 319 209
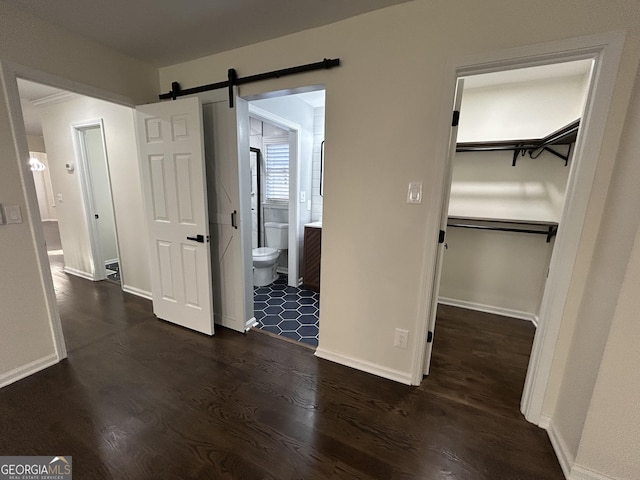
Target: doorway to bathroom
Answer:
pixel 286 137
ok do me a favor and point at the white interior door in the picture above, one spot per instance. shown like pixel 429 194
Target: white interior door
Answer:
pixel 174 186
pixel 229 184
pixel 444 214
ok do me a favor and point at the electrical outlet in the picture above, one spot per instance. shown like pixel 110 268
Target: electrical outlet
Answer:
pixel 401 338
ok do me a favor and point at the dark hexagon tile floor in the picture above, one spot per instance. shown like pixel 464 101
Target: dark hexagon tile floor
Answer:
pixel 287 311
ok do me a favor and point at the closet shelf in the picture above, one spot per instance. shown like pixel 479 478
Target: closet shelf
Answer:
pixel 534 147
pixel 550 229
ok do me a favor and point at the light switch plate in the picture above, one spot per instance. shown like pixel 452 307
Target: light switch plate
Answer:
pixel 13 214
pixel 414 195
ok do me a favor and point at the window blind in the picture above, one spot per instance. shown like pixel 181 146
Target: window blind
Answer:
pixel 277 172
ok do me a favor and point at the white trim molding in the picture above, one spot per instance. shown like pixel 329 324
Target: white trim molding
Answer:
pixel 28 369
pixel 479 307
pixel 565 457
pixel 571 470
pixel 78 273
pixel 55 98
pixel 581 473
pixel 137 291
pixel 605 49
pixel 369 367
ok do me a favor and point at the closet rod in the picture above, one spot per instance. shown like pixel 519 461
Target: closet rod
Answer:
pixel 551 231
pixel 564 136
pixel 233 79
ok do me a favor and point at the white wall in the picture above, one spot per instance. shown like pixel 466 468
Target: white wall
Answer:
pixel 505 272
pixel 26 331
pixel 495 271
pixel 36 143
pixel 125 181
pixel 522 110
pixel 381 132
pixel 318 137
pixel 485 185
pixel 610 441
pixel 596 385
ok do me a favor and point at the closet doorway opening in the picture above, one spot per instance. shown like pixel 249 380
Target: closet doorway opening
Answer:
pixel 93 173
pixel 511 164
pixel 286 140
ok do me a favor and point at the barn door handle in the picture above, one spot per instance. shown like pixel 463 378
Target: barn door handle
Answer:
pixel 197 238
pixel 234 219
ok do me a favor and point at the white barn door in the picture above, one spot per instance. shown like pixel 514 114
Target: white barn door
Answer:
pixel 229 185
pixel 171 149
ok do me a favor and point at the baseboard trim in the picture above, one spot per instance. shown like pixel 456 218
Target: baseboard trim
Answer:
pixel 581 473
pixel 28 369
pixel 479 307
pixel 544 422
pixel 565 458
pixel 137 291
pixel 363 365
pixel 78 273
pixel 571 470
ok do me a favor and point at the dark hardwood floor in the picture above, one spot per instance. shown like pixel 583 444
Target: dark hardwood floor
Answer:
pixel 139 398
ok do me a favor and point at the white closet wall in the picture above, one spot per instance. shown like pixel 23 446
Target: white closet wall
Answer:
pixel 505 272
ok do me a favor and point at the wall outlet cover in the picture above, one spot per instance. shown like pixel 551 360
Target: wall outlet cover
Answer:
pixel 401 338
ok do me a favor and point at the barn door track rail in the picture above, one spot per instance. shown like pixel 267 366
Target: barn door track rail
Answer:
pixel 233 79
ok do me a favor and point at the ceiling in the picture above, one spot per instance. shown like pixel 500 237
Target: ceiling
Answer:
pixel 165 32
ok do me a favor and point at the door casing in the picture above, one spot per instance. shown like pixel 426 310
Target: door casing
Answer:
pixel 605 50
pixel 78 130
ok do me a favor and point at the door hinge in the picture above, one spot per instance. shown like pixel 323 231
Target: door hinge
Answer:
pixel 456 118
pixel 429 337
pixel 441 236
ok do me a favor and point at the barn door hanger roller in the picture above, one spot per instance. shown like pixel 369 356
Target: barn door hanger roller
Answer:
pixel 233 79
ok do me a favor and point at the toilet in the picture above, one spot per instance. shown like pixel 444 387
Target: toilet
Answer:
pixel 265 259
